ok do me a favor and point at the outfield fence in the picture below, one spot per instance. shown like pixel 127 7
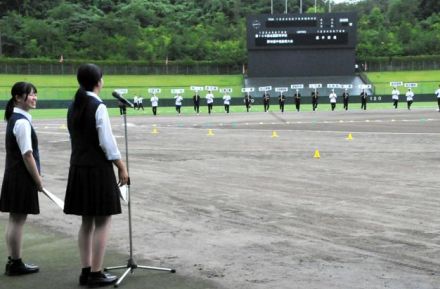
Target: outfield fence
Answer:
pixel 189 69
pixel 123 69
pixel 400 65
pixel 35 66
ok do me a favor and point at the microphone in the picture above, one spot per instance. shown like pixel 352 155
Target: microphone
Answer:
pixel 122 99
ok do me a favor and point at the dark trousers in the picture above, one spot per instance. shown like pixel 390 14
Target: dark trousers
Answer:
pixel 364 104
pixel 209 108
pixel 282 106
pixel 248 106
pixel 140 105
pixel 122 110
pixel 314 104
pixel 409 102
pixel 333 106
pixel 196 107
pixel 346 104
pixel 227 108
pixel 395 102
pixel 154 110
pixel 178 109
pixel 297 104
pixel 438 102
pixel 266 106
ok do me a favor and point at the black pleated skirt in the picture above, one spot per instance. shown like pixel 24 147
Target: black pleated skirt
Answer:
pixel 92 191
pixel 19 192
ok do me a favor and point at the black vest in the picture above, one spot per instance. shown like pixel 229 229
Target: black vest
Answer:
pixel 84 137
pixel 14 157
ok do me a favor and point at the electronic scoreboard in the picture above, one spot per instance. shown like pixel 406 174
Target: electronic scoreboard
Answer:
pixel 301 44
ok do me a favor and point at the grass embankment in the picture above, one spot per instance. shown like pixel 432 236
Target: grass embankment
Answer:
pixel 428 81
pixel 187 110
pixel 64 86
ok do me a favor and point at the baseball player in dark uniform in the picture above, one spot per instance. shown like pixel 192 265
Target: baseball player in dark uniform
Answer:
pixel 196 101
pixel 266 101
pixel 248 101
pixel 281 101
pixel 345 98
pixel 315 96
pixel 364 96
pixel 297 97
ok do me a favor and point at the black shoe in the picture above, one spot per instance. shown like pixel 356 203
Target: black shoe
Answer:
pixel 84 277
pixel 17 267
pixel 100 279
pixel 8 265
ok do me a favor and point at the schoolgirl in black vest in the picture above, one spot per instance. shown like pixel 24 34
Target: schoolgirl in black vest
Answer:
pixel 92 191
pixel 21 180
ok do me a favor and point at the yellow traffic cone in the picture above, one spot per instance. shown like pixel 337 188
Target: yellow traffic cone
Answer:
pixel 210 133
pixel 274 133
pixel 154 131
pixel 349 137
pixel 317 155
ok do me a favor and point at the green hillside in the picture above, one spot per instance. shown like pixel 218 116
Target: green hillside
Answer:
pixel 196 30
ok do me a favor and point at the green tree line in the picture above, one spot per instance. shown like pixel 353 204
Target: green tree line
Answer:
pixel 213 30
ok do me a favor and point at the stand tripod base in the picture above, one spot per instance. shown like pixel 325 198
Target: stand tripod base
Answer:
pixel 131 266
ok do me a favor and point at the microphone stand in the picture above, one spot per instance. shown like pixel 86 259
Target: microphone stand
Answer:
pixel 131 263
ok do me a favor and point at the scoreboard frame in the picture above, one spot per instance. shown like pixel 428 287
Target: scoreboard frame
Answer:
pixel 288 45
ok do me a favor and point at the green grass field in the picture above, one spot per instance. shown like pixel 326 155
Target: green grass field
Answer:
pixel 187 110
pixel 64 86
pixel 428 81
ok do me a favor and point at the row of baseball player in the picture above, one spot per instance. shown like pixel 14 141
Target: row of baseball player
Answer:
pixel 249 100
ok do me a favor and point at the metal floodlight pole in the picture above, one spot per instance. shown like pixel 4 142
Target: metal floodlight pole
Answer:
pixel 329 6
pixel 300 6
pixel 271 6
pixel 286 8
pixel 315 6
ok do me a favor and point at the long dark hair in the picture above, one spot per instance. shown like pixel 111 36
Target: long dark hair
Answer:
pixel 19 89
pixel 88 77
